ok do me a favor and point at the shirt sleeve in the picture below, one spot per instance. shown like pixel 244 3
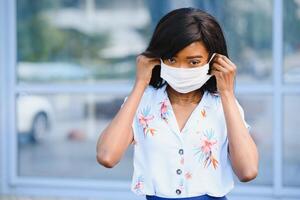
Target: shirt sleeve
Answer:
pixel 133 125
pixel 243 115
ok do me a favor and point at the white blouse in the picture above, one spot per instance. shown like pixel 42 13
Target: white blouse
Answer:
pixel 170 163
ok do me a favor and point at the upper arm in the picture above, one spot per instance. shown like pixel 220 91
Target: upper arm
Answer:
pixel 243 115
pixel 131 139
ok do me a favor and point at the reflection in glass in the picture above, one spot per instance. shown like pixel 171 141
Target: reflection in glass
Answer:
pixel 58 134
pixel 258 114
pixel 79 40
pixel 92 39
pixel 291 41
pixel 291 141
pixel 62 142
pixel 248 30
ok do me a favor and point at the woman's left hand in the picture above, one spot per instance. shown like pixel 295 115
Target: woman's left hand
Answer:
pixel 224 71
pixel 242 149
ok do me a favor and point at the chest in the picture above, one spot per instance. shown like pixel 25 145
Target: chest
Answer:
pixel 163 126
pixel 182 114
pixel 202 135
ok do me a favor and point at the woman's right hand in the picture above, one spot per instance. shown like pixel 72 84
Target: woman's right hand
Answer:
pixel 144 66
pixel 118 135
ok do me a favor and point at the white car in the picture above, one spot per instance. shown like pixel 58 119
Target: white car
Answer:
pixel 34 116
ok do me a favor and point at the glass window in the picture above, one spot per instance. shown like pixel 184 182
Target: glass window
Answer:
pixel 58 135
pixel 79 40
pixel 291 42
pixel 92 41
pixel 76 41
pixel 291 141
pixel 248 30
pixel 258 113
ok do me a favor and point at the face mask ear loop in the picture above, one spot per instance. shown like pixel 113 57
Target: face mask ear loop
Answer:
pixel 212 57
pixel 160 60
pixel 211 60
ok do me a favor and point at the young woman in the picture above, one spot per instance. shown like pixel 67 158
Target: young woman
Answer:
pixel 187 127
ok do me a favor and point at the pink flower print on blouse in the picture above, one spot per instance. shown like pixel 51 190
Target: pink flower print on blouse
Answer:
pixel 182 160
pixel 205 151
pixel 164 110
pixel 139 185
pixel 188 175
pixel 144 118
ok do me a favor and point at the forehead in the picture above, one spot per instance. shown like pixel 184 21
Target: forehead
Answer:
pixel 195 48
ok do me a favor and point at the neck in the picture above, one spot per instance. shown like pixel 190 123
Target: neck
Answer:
pixel 183 98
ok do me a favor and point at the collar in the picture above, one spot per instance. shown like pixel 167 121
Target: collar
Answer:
pixel 208 100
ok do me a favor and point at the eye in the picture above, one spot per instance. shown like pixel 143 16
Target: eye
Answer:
pixel 194 62
pixel 171 60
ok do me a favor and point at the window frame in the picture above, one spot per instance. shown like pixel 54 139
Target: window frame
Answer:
pixel 11 183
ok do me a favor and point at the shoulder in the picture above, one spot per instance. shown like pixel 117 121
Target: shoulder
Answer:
pixel 215 101
pixel 148 92
pixel 151 92
pixel 215 98
pixel 148 96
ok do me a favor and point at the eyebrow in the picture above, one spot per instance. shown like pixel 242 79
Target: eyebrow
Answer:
pixel 190 57
pixel 195 56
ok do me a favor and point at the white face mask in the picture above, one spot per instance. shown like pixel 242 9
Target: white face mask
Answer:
pixel 185 80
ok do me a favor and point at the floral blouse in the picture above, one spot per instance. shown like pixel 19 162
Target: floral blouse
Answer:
pixel 170 163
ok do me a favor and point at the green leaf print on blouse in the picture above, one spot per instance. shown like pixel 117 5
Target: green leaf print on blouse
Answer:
pixel 144 118
pixel 205 150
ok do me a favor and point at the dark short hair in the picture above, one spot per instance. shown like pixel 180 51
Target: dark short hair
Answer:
pixel 179 28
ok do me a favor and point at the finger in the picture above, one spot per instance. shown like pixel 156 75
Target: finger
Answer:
pixel 219 68
pixel 220 56
pixel 215 72
pixel 215 57
pixel 223 63
pixel 227 60
pixel 154 61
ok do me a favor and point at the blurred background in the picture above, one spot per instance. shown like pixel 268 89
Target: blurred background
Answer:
pixel 66 66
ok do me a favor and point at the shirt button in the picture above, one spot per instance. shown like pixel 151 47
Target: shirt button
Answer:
pixel 178 191
pixel 180 151
pixel 178 171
